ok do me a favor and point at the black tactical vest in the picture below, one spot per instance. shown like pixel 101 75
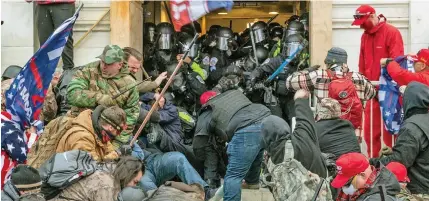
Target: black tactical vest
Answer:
pixel 225 105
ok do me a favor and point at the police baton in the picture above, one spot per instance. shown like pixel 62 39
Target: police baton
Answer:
pixel 122 92
pixel 155 105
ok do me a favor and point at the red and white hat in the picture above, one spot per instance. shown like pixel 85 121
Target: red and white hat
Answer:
pixel 362 14
pixel 422 56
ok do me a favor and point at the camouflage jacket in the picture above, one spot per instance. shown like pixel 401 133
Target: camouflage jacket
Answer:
pixel 405 195
pixel 49 110
pixel 89 83
pixel 100 186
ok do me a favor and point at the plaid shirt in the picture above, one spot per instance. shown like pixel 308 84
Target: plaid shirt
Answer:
pixel 318 80
pixel 344 197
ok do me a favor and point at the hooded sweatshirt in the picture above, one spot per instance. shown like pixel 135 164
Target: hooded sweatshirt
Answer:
pixel 276 131
pixel 412 145
pixel 9 192
pixel 336 136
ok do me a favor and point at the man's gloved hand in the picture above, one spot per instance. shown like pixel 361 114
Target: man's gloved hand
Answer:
pixel 105 100
pixel 385 151
pixel 125 150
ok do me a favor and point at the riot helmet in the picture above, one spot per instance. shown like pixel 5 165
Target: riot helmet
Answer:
pixel 185 43
pixel 260 31
pixel 291 19
pixel 304 20
pixel 261 55
pixel 292 44
pixel 273 24
pixel 224 36
pixel 11 72
pixel 149 32
pixel 276 32
pixel 295 27
pixel 165 31
pixel 189 28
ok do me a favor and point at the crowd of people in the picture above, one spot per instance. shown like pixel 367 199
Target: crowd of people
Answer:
pixel 237 110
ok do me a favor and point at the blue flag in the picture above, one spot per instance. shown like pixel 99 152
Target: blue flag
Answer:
pixel 25 97
pixel 388 96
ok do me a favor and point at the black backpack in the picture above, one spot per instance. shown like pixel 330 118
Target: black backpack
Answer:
pixel 64 169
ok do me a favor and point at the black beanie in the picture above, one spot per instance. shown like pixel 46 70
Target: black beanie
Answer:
pixel 336 55
pixel 25 178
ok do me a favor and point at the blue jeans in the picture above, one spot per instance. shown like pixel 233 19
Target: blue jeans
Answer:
pixel 244 161
pixel 163 167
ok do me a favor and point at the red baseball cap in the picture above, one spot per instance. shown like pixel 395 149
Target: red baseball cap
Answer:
pixel 206 96
pixel 422 56
pixel 348 166
pixel 362 13
pixel 399 170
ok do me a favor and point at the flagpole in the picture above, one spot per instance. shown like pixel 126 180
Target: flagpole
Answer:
pixel 155 105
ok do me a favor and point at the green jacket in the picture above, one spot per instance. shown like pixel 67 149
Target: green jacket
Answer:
pixel 89 83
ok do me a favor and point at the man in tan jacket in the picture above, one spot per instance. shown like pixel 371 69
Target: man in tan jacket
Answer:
pixel 92 131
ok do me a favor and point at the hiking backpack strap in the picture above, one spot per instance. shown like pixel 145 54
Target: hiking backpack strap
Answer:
pixel 289 153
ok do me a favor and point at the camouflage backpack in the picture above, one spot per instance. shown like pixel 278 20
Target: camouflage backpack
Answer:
pixel 46 145
pixel 290 180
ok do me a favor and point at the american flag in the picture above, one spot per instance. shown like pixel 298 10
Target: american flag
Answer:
pixel 25 97
pixel 390 97
pixel 186 11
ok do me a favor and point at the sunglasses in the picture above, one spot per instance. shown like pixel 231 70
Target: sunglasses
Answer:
pixel 362 15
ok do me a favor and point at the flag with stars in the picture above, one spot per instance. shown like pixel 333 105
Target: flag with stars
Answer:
pixel 26 95
pixel 390 97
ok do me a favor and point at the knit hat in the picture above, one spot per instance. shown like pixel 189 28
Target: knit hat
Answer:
pixel 336 55
pixel 328 108
pixel 25 178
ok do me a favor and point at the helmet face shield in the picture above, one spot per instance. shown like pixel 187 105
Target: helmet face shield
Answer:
pixel 292 48
pixel 259 35
pixel 222 43
pixel 151 35
pixel 193 51
pixel 164 42
pixel 293 31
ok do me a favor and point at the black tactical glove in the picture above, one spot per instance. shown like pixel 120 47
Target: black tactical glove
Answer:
pixel 125 150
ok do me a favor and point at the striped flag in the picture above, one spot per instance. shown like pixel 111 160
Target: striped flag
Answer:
pixel 186 11
pixel 25 97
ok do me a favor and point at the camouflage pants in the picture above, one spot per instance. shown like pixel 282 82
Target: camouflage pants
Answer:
pixel 423 196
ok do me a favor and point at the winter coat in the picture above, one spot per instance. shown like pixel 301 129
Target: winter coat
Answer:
pixel 412 146
pixel 89 84
pixel 336 136
pixel 275 132
pixel 82 136
pixel 403 77
pixel 382 41
pixel 9 192
pixel 386 178
pixel 99 186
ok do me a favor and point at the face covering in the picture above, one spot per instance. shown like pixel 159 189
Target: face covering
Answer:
pixel 349 190
pixel 107 135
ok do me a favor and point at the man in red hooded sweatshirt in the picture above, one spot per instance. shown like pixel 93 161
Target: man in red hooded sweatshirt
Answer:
pixel 379 40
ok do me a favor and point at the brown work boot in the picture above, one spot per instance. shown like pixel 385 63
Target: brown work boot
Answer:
pixel 244 185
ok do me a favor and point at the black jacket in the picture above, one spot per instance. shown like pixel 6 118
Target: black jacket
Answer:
pixel 276 131
pixel 336 136
pixel 384 178
pixel 412 145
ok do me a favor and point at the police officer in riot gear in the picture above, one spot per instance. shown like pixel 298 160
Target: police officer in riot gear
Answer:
pixel 217 60
pixel 208 41
pixel 290 46
pixel 165 50
pixel 260 35
pixel 190 29
pixel 295 27
pixel 11 72
pixel 304 20
pixel 275 43
pixel 149 33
